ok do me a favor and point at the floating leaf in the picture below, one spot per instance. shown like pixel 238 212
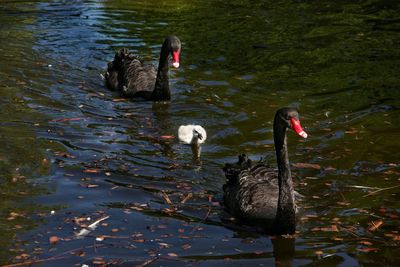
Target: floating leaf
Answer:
pixel 351 131
pixel 167 136
pixel 64 155
pixel 367 249
pixel 54 239
pixel 119 100
pixel 374 225
pixel 366 243
pixel 186 246
pixel 172 254
pixel 306 166
pixel 164 245
pixel 66 119
pixel 91 171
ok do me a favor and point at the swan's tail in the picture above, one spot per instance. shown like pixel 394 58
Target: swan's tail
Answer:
pixel 232 170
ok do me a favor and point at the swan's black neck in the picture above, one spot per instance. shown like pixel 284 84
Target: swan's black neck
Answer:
pixel 285 220
pixel 161 89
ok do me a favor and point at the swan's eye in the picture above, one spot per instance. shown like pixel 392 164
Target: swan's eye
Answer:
pixel 296 126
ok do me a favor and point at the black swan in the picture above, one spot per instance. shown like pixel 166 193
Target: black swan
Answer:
pixel 127 73
pixel 257 194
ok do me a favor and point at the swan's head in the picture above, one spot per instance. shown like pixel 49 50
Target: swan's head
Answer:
pixel 289 117
pixel 197 135
pixel 175 48
pixel 192 134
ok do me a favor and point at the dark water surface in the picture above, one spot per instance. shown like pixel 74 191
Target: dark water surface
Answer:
pixel 71 152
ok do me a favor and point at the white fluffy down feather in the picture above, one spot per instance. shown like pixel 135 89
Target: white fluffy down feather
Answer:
pixel 192 134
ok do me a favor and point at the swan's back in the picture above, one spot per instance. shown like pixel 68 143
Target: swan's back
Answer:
pixel 128 74
pixel 251 192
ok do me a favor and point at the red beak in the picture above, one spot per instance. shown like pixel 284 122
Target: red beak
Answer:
pixel 175 58
pixel 296 126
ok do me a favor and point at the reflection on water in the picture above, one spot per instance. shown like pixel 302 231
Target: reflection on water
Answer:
pixel 69 145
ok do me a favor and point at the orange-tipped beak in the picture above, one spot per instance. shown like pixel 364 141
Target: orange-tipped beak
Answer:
pixel 296 126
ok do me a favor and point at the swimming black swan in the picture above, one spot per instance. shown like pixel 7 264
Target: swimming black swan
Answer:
pixel 256 193
pixel 127 73
pixel 193 135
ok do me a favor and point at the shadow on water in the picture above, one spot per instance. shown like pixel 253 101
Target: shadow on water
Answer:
pixel 124 191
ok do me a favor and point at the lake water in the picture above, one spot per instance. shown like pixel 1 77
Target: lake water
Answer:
pixel 72 152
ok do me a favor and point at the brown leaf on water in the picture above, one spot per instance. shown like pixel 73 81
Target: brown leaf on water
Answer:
pixel 64 155
pixel 330 168
pixel 366 243
pixel 119 100
pixel 335 238
pixel 79 253
pixel 374 225
pixel 167 136
pixel 343 203
pixel 66 119
pixel 318 252
pixel 186 246
pixel 172 254
pixel 91 171
pixel 54 239
pixel 301 165
pixel 99 261
pixel 351 131
pixel 164 245
pixel 396 237
pixel 367 249
pixel 13 215
pixel 332 228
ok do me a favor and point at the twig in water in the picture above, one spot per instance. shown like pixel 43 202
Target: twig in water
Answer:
pixel 361 187
pixel 30 262
pixel 167 199
pixel 204 219
pixel 150 261
pixel 379 190
pixel 189 196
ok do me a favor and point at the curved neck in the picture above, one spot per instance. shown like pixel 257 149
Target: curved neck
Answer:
pixel 161 89
pixel 285 221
